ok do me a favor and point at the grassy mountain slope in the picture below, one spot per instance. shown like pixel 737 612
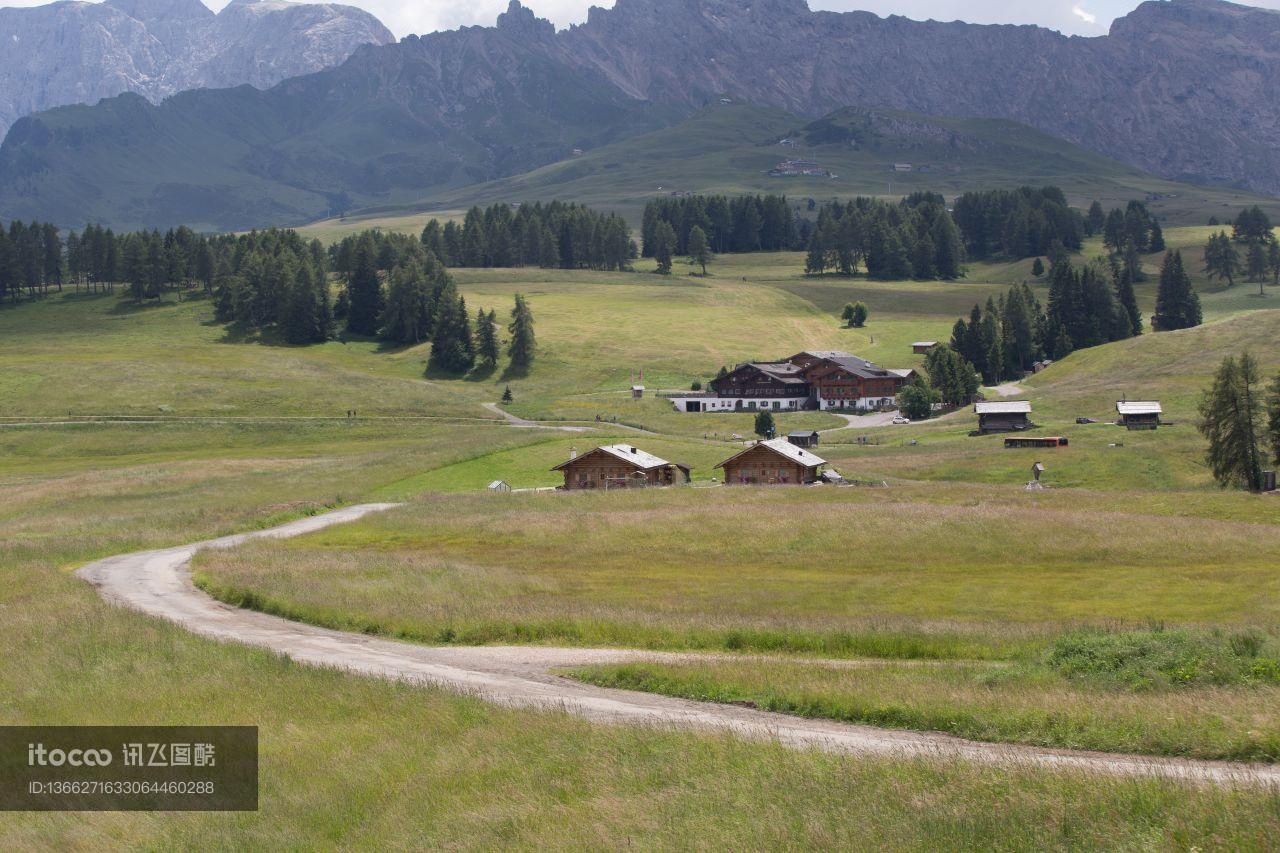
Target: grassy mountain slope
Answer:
pixel 384 127
pixel 730 149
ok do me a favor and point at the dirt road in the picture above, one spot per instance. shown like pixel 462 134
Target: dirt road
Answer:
pixel 158 583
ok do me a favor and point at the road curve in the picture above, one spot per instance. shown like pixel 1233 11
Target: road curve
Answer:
pixel 158 583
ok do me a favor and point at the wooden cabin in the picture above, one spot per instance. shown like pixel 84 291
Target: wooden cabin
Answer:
pixel 620 466
pixel 804 438
pixel 1139 415
pixel 923 347
pixel 1005 416
pixel 776 462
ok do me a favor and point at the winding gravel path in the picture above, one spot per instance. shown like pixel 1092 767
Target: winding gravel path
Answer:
pixel 158 583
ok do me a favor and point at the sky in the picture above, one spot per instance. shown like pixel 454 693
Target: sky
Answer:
pixel 1075 17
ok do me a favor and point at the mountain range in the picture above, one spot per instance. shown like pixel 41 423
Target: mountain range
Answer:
pixel 1181 88
pixel 75 52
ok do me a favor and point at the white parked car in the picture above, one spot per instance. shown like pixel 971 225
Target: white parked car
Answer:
pixel 900 420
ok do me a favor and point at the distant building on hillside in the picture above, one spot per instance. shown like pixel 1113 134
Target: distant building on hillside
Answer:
pixel 1006 416
pixel 923 347
pixel 620 466
pixel 806 381
pixel 798 168
pixel 775 462
pixel 1139 415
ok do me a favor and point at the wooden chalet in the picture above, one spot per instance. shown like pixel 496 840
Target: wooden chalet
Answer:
pixel 923 347
pixel 620 466
pixel 1004 416
pixel 1139 415
pixel 775 462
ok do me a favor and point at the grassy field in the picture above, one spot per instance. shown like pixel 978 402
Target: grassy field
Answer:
pixel 674 569
pixel 1021 704
pixel 349 762
pixel 251 434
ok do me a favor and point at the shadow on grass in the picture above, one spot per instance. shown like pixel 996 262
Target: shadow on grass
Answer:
pixel 514 372
pixel 128 306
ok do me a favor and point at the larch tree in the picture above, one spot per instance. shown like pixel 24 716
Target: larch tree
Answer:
pixel 1230 412
pixel 664 247
pixel 1222 259
pixel 699 250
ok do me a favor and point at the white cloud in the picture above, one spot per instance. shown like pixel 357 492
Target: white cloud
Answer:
pixel 1087 17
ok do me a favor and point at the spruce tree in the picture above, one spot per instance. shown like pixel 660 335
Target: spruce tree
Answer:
pixel 487 338
pixel 1037 268
pixel 364 291
pixel 1156 241
pixel 1177 304
pixel 523 344
pixel 452 350
pixel 1230 412
pixel 407 313
pixel 1095 220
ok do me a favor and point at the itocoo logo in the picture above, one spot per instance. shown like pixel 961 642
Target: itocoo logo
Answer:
pixel 38 756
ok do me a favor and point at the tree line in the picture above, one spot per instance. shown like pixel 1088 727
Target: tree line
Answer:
pixel 1020 223
pixel 1251 251
pixel 748 223
pixel 913 238
pixel 552 235
pixel 396 289
pixel 34 258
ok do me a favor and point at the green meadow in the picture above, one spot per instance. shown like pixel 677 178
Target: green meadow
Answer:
pixel 941 596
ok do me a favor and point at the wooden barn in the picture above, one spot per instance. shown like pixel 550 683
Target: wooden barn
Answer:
pixel 1004 416
pixel 620 466
pixel 1139 415
pixel 804 437
pixel 923 347
pixel 776 462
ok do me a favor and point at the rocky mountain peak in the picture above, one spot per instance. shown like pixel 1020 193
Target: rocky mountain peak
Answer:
pixel 68 53
pixel 519 20
pixel 162 10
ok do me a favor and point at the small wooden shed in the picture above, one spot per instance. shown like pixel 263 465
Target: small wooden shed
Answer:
pixel 804 437
pixel 1139 415
pixel 1004 416
pixel 923 347
pixel 777 462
